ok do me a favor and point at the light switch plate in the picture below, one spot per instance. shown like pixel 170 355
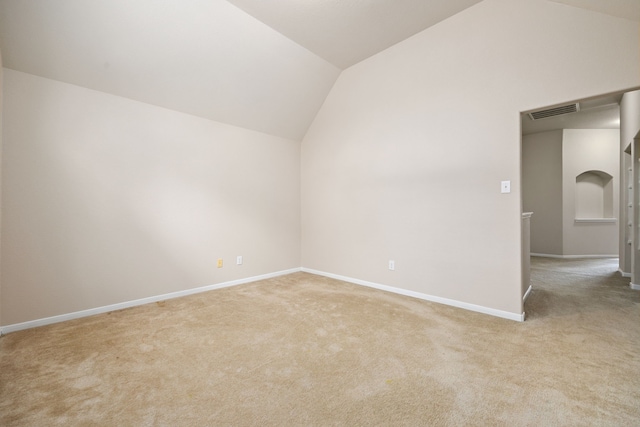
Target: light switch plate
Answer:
pixel 505 187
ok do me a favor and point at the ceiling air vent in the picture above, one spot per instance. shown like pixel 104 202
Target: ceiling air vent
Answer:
pixel 557 111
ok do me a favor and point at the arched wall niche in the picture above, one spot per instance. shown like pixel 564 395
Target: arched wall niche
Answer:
pixel 594 195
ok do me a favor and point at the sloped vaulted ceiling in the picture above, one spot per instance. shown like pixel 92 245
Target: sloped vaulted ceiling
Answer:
pixel 627 9
pixel 345 32
pixel 203 57
pixel 262 65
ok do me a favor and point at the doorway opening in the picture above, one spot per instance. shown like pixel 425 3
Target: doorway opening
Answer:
pixel 575 179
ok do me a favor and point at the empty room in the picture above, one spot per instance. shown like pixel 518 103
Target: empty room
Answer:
pixel 247 212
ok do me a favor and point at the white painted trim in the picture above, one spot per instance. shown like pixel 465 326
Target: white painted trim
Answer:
pixel 127 304
pixel 526 294
pixel 623 274
pixel 595 220
pixel 547 255
pixel 573 256
pixel 634 286
pixel 440 300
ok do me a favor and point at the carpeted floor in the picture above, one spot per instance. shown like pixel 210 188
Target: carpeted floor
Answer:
pixel 307 350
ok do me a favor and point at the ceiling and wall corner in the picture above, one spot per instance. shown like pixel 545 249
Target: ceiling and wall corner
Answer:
pixel 202 57
pixel 626 9
pixel 346 32
pixel 264 66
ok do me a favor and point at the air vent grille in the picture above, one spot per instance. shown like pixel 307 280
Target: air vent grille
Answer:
pixel 557 111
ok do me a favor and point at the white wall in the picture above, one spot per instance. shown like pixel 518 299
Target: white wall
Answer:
pixel 405 158
pixel 586 150
pixel 542 190
pixel 107 200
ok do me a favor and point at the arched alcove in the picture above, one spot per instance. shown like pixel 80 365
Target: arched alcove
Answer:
pixel 594 195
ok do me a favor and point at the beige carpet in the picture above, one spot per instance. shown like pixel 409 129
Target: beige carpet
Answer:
pixel 307 350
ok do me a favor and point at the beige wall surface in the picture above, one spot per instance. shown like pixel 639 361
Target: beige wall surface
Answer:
pixel 586 150
pixel 1 118
pixel 624 210
pixel 629 117
pixel 405 158
pixel 542 190
pixel 107 200
pixel 629 129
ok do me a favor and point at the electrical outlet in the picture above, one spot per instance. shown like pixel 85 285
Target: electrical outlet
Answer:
pixel 239 260
pixel 392 264
pixel 219 262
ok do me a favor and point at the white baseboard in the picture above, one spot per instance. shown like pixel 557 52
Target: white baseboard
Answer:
pixel 634 286
pixel 445 301
pixel 623 274
pixel 526 294
pixel 573 256
pixel 119 306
